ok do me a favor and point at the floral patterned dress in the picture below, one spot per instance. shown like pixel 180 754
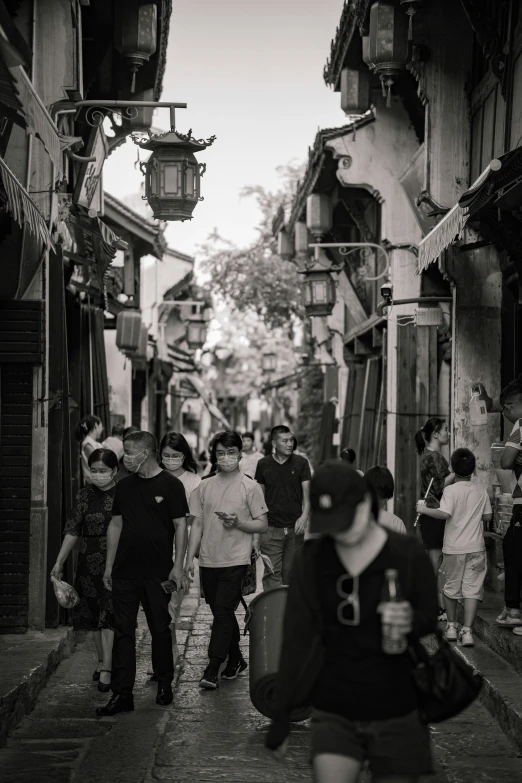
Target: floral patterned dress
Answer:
pixel 432 466
pixel 91 516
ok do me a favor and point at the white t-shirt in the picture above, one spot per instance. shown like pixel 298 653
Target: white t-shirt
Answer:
pixel 465 502
pixel 237 494
pixel 190 481
pixel 390 521
pixel 249 462
pixel 114 444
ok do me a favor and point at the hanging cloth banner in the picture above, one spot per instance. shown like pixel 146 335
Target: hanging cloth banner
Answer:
pixel 22 207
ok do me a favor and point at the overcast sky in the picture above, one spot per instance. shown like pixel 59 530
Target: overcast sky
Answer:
pixel 251 74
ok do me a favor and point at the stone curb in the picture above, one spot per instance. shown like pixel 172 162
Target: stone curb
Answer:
pixel 21 699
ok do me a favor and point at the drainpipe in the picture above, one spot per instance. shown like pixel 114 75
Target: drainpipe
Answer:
pixel 415 300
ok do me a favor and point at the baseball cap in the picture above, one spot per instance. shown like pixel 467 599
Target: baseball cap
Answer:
pixel 335 492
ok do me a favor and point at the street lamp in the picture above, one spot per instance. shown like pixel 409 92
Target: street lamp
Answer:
pixel 197 333
pixel 319 291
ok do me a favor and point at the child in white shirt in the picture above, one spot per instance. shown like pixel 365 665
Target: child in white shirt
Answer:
pixel 465 506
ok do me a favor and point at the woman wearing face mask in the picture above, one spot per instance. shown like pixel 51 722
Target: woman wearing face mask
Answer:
pixel 228 509
pixel 176 456
pixel 88 433
pixel 91 516
pixel 363 698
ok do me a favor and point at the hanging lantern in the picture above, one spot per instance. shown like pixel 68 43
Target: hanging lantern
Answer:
pixel 172 174
pixel 285 246
pixel 135 34
pixel 319 291
pixel 366 52
pixel 319 214
pixel 355 90
pixel 269 362
pixel 128 331
pixel 196 333
pixel 411 7
pixel 388 50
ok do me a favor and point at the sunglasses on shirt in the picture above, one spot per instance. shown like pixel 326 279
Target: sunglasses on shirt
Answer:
pixel 349 609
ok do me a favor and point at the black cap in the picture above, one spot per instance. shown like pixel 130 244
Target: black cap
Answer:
pixel 335 492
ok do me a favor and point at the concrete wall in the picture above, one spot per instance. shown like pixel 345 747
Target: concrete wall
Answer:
pixel 477 348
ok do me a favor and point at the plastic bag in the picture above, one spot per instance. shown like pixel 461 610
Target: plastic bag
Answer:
pixel 65 594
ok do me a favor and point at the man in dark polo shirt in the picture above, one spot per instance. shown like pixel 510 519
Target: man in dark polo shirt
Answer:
pixel 285 478
pixel 149 512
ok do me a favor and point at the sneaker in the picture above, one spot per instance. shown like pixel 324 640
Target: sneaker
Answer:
pixel 451 632
pixel 509 618
pixel 209 681
pixel 233 669
pixel 442 616
pixel 518 630
pixel 466 637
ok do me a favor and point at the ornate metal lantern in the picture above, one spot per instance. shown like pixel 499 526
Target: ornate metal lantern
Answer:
pixel 319 291
pixel 269 362
pixel 172 174
pixel 389 49
pixel 197 333
pixel 135 34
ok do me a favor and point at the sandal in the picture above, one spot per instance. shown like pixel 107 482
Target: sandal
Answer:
pixel 102 686
pixel 96 675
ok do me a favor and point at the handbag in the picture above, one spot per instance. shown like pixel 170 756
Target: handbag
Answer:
pixel 445 683
pixel 249 583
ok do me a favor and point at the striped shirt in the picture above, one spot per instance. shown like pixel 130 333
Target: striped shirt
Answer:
pixel 515 442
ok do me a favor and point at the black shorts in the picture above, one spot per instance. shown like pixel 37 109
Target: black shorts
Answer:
pixel 396 746
pixel 432 532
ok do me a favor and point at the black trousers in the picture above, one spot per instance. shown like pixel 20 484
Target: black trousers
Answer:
pixel 512 549
pixel 222 588
pixel 127 594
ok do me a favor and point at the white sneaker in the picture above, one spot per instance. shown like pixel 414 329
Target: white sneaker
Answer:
pixel 517 630
pixel 509 618
pixel 451 632
pixel 466 637
pixel 442 616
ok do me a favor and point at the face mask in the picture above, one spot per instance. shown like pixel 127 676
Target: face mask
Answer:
pixel 101 479
pixel 228 464
pixel 130 462
pixel 173 463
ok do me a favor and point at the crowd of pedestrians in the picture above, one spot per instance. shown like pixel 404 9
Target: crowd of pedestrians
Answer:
pixel 360 590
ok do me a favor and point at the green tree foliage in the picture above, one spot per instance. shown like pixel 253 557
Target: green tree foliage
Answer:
pixel 255 279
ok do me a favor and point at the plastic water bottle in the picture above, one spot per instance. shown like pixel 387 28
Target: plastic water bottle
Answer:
pixel 394 642
pixel 478 413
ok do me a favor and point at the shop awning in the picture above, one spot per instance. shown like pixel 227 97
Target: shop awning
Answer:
pixel 22 207
pixel 199 385
pixel 19 95
pixel 448 230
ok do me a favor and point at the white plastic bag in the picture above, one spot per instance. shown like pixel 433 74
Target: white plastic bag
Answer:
pixel 65 594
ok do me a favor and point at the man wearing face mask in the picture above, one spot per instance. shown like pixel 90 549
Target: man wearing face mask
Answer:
pixel 149 512
pixel 228 510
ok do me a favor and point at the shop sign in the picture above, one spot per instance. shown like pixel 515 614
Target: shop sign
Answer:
pixel 89 188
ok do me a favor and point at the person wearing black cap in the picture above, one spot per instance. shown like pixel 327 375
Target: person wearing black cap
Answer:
pixel 364 700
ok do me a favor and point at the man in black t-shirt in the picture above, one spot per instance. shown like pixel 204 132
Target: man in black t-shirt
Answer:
pixel 285 478
pixel 149 512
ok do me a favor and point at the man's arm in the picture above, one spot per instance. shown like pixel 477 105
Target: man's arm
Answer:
pixel 113 539
pixel 180 537
pixel 196 531
pixel 435 513
pixel 509 456
pixel 300 525
pixel 257 525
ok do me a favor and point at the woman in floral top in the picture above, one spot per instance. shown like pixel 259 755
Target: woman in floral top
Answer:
pixel 91 516
pixel 429 441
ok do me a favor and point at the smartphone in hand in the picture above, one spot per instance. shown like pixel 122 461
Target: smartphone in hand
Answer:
pixel 169 586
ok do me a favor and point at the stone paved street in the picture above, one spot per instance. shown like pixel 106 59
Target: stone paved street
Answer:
pixel 203 737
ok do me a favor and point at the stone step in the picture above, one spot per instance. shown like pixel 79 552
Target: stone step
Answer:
pixel 501 640
pixel 502 690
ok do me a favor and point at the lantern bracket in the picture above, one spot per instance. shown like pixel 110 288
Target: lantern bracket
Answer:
pixel 364 248
pixel 126 109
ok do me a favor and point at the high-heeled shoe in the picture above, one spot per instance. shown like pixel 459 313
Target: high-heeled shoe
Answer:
pixel 96 675
pixel 102 686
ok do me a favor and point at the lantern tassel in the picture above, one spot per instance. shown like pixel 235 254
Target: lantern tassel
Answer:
pixel 410 13
pixel 133 82
pixel 389 96
pixel 383 85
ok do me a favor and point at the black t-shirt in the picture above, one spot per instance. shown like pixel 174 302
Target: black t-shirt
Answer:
pixel 358 680
pixel 283 485
pixel 148 507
